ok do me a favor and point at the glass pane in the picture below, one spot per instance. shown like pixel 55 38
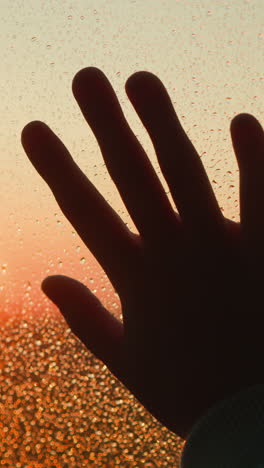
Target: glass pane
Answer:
pixel 59 405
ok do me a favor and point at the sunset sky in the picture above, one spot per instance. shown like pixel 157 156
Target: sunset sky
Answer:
pixel 209 56
pixel 59 406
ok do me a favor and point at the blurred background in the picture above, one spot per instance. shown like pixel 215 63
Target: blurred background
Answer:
pixel 59 406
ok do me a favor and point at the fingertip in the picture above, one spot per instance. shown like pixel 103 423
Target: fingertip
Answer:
pixel 31 132
pixel 84 78
pixel 54 287
pixel 64 290
pixel 245 122
pixel 135 83
pixel 46 283
pixel 247 138
pixel 50 279
pixel 33 126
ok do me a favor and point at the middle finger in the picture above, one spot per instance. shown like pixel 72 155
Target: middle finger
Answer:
pixel 126 160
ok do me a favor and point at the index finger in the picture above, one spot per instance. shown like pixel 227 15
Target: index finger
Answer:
pixel 99 226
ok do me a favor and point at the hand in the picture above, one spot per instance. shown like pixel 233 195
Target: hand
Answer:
pixel 189 283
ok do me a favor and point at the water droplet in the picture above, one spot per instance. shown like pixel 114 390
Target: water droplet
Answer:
pixel 82 260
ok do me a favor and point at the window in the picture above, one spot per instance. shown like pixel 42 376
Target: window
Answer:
pixel 61 407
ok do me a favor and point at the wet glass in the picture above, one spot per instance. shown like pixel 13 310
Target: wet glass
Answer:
pixel 59 406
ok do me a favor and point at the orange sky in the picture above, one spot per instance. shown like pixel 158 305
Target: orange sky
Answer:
pixel 210 78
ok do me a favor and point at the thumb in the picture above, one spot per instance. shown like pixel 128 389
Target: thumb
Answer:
pixel 96 327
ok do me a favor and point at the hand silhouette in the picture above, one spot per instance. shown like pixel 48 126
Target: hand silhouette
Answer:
pixel 190 282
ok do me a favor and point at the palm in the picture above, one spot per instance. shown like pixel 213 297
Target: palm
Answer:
pixel 184 282
pixel 184 349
